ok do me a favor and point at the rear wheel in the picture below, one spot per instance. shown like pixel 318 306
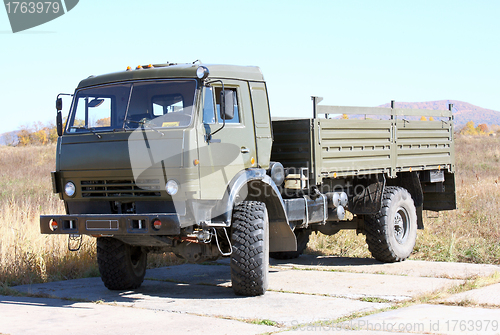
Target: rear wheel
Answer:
pixel 250 254
pixel 391 234
pixel 302 236
pixel 121 265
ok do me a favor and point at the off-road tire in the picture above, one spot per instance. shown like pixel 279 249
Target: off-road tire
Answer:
pixel 302 236
pixel 391 234
pixel 250 253
pixel 122 266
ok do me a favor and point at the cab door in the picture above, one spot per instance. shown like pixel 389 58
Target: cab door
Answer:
pixel 262 117
pixel 225 147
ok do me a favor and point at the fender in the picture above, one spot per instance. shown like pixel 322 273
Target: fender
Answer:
pixel 255 184
pixel 411 182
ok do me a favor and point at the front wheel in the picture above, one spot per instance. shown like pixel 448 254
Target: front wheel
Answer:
pixel 121 265
pixel 250 254
pixel 391 234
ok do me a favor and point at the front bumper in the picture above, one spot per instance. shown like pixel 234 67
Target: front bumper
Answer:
pixel 111 224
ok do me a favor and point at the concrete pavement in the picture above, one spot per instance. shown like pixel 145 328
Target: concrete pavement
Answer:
pixel 307 295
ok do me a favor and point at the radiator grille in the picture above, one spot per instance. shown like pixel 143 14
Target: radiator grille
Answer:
pixel 120 188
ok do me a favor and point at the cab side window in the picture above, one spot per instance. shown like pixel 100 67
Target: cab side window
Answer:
pixel 236 118
pixel 92 112
pixel 208 106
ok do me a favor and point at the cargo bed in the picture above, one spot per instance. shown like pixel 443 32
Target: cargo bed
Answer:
pixel 371 141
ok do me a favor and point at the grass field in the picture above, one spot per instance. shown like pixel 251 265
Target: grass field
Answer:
pixel 469 234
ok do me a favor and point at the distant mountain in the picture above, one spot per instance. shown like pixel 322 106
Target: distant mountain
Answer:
pixel 463 111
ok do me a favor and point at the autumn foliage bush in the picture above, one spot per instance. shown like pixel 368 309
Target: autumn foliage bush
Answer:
pixel 43 134
pixel 35 134
pixel 470 129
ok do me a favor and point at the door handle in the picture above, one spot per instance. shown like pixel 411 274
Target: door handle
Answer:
pixel 245 150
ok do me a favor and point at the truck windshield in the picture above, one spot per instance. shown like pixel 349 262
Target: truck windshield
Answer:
pixel 154 104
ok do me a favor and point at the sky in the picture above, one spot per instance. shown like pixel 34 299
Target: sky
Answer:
pixel 352 53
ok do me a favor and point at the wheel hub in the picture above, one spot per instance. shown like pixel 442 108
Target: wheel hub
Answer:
pixel 401 225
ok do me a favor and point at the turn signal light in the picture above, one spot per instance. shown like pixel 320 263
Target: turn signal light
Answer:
pixel 53 225
pixel 157 224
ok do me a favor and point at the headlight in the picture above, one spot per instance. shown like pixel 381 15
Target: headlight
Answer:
pixel 70 189
pixel 172 187
pixel 277 172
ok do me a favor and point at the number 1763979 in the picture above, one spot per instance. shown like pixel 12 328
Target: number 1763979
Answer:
pixel 32 7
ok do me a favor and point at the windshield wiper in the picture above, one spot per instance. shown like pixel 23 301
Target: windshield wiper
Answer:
pixel 144 123
pixel 89 129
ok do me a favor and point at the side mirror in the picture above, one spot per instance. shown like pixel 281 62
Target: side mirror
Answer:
pixel 227 105
pixel 59 123
pixel 59 104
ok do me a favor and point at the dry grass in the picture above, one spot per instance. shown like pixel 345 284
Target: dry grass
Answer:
pixel 472 232
pixel 343 244
pixel 26 256
pixel 469 234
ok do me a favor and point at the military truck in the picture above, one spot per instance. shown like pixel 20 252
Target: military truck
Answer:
pixel 185 158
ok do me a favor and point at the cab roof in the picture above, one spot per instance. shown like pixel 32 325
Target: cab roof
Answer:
pixel 164 71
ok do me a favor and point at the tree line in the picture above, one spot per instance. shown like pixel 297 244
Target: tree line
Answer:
pixel 43 134
pixel 482 129
pixel 35 134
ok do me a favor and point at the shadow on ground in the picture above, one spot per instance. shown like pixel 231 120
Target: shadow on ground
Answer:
pixel 319 260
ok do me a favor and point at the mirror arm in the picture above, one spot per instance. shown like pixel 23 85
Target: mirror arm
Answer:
pixel 68 94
